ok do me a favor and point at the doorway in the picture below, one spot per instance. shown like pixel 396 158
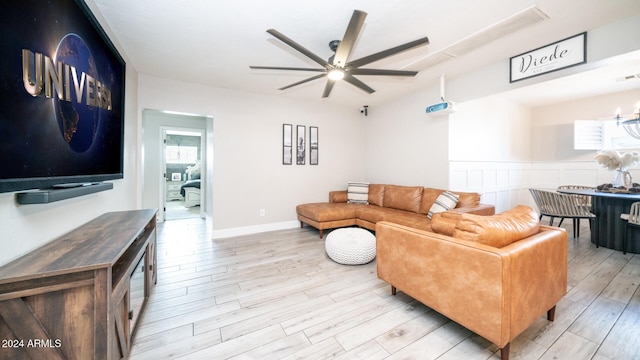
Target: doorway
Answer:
pixel 182 151
pixel 154 167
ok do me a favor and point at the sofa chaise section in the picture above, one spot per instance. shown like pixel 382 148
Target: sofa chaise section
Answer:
pixel 327 215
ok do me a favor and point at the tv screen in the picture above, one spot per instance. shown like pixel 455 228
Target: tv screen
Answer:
pixel 62 88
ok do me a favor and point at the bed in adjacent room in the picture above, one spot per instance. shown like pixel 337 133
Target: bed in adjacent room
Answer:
pixel 190 189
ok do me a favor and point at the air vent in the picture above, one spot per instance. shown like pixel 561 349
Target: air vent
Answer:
pixel 502 28
pixel 433 59
pixel 628 77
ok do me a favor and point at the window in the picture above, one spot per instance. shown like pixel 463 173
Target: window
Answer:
pixel 177 154
pixel 602 134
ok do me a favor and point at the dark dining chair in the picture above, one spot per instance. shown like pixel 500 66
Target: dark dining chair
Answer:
pixel 556 205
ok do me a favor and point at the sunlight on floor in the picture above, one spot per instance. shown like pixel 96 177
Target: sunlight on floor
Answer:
pixel 177 211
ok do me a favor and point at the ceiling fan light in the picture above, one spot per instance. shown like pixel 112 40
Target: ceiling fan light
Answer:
pixel 336 74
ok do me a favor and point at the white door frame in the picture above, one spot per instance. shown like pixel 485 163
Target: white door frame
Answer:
pixel 163 168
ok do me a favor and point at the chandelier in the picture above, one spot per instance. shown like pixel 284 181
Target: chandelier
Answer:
pixel 631 125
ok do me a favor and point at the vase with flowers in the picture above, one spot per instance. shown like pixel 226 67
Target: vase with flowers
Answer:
pixel 620 163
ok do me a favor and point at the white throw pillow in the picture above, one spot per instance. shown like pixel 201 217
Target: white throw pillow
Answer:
pixel 358 192
pixel 445 201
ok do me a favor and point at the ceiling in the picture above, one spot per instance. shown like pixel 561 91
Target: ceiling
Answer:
pixel 215 42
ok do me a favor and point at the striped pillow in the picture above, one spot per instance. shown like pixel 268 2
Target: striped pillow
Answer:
pixel 358 192
pixel 445 201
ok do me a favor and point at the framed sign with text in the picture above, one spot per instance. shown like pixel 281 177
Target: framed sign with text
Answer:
pixel 559 55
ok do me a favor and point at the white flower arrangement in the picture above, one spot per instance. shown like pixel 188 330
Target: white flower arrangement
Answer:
pixel 613 160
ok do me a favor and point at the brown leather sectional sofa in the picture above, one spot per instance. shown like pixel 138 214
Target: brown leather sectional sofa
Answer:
pixel 494 275
pixel 404 205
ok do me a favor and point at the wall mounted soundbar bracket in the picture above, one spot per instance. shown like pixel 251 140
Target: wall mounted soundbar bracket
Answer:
pixel 45 196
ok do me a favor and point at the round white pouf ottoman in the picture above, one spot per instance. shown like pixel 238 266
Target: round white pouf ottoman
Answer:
pixel 351 246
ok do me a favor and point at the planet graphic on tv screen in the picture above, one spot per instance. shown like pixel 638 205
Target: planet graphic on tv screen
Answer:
pixel 77 121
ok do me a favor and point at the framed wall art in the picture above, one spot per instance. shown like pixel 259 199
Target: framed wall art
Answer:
pixel 556 56
pixel 313 145
pixel 287 148
pixel 301 143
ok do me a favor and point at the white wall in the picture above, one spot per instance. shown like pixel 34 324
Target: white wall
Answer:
pixel 490 129
pixel 484 147
pixel 489 150
pixel 405 146
pixel 248 174
pixel 552 128
pixel 26 227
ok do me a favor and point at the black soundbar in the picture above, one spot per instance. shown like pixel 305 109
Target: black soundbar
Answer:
pixel 44 196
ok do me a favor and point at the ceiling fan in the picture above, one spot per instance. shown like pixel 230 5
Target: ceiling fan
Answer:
pixel 338 66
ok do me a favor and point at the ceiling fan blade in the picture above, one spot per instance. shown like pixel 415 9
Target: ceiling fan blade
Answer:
pixel 327 88
pixel 357 83
pixel 299 48
pixel 303 81
pixel 349 39
pixel 386 53
pixel 286 68
pixel 383 72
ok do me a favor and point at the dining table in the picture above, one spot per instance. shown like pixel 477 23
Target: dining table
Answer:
pixel 610 228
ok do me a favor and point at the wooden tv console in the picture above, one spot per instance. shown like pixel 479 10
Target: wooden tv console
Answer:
pixel 79 296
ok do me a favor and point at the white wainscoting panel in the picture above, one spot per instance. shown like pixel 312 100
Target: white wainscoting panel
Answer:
pixel 506 184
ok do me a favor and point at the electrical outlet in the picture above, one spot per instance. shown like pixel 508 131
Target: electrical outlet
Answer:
pixel 262 212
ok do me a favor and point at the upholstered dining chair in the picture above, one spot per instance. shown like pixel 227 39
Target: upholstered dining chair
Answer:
pixel 633 220
pixel 556 205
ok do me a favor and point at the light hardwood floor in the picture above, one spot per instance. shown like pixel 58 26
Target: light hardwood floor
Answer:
pixel 276 295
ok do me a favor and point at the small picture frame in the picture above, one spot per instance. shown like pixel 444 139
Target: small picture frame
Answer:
pixel 287 148
pixel 313 145
pixel 176 177
pixel 301 143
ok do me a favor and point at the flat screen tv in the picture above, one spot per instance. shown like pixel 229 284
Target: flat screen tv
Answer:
pixel 62 88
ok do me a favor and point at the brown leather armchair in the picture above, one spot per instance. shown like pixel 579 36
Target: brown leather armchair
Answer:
pixel 496 292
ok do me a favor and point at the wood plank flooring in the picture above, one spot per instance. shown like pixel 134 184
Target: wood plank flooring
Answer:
pixel 276 295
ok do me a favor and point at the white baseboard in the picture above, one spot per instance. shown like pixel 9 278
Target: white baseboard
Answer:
pixel 248 230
